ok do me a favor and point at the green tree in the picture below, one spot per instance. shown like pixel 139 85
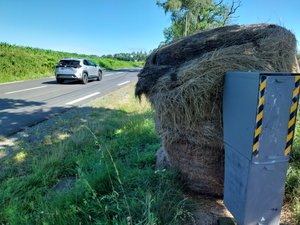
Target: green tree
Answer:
pixel 133 56
pixel 191 16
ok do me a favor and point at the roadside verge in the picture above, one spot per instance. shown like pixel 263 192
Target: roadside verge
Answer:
pixel 93 164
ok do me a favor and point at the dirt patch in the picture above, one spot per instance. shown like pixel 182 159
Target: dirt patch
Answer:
pixel 64 184
pixel 212 211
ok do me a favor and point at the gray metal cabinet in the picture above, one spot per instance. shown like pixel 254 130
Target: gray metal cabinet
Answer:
pixel 259 115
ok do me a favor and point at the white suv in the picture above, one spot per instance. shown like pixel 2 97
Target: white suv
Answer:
pixel 77 69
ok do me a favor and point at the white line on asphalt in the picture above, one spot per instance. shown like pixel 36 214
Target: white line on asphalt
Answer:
pixel 119 72
pixel 109 74
pixel 126 82
pixel 28 89
pixel 12 82
pixel 83 98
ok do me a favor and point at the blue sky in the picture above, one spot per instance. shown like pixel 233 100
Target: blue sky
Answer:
pixel 111 26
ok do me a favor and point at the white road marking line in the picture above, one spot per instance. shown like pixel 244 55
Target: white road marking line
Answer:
pixel 12 82
pixel 106 75
pixel 126 82
pixel 83 98
pixel 28 89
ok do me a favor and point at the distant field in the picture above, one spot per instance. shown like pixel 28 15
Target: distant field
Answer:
pixel 22 63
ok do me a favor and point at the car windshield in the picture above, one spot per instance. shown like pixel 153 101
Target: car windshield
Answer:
pixel 69 63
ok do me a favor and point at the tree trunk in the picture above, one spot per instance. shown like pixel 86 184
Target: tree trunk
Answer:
pixel 186 25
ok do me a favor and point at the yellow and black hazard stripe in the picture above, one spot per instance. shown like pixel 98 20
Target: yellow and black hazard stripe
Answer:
pixel 259 114
pixel 292 120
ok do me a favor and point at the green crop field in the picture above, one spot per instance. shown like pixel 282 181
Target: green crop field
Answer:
pixel 23 63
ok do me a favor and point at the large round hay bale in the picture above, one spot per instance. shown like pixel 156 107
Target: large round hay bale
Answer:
pixel 184 83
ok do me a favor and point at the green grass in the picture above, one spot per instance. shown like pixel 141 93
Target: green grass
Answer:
pixel 292 195
pixel 23 63
pixel 111 64
pixel 109 156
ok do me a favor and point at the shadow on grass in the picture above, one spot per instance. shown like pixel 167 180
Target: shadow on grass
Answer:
pixel 28 126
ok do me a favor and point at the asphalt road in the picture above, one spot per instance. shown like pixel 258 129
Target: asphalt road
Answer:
pixel 26 103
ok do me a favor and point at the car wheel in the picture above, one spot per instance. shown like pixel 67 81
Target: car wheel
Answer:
pixel 85 78
pixel 59 80
pixel 99 77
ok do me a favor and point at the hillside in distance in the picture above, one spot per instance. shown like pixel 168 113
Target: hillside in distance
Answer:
pixel 23 63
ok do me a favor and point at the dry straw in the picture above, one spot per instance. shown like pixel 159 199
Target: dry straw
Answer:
pixel 184 82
